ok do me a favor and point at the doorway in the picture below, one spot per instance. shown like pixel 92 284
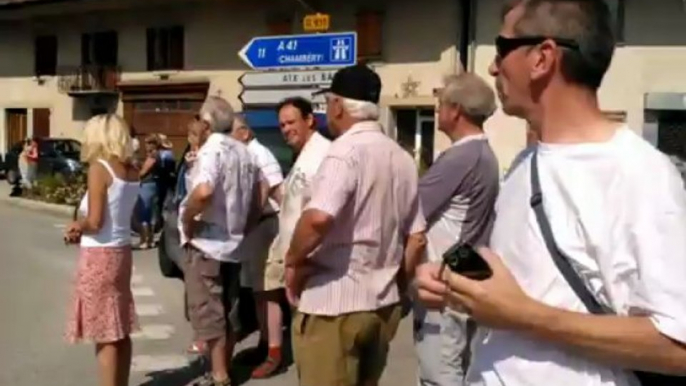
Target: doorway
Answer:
pixel 17 127
pixel 415 133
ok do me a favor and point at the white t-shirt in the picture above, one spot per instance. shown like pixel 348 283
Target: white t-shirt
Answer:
pixel 297 192
pixel 270 170
pixel 618 211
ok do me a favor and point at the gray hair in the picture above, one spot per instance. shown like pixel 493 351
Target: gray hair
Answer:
pixel 240 119
pixel 218 113
pixel 362 110
pixel 472 94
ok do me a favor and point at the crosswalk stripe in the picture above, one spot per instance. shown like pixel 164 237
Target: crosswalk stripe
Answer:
pixel 149 309
pixel 153 332
pixel 142 291
pixel 153 363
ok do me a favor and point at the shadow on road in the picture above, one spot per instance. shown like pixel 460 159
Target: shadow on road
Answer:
pixel 240 374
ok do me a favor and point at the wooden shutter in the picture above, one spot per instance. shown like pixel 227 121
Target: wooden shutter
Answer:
pixel 369 27
pixel 151 48
pixel 176 48
pixel 282 26
pixel 41 123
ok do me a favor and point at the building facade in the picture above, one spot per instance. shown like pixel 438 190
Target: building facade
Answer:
pixel 154 62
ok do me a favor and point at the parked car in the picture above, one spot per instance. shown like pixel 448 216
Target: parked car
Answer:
pixel 56 156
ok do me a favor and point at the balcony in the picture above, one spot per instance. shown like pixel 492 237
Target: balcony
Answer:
pixel 88 80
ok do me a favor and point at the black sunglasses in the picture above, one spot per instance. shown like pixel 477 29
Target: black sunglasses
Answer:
pixel 505 45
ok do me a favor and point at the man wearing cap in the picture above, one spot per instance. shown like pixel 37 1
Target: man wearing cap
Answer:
pixel 347 251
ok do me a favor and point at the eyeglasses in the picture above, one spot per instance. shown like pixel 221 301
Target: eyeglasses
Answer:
pixel 505 45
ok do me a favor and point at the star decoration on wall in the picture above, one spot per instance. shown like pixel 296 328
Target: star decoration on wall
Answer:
pixel 409 87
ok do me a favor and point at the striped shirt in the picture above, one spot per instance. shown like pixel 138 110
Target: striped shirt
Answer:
pixel 368 183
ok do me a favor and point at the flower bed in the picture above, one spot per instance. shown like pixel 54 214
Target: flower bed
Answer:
pixel 58 190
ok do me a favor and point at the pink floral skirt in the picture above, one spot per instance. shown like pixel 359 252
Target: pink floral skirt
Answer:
pixel 102 307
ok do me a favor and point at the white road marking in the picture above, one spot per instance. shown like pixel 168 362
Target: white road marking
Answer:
pixel 149 309
pixel 142 291
pixel 59 226
pixel 136 279
pixel 153 363
pixel 154 332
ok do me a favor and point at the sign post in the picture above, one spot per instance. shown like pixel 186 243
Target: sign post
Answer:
pixel 318 22
pixel 301 51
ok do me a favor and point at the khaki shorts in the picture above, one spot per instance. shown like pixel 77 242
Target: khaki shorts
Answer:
pixel 353 348
pixel 254 252
pixel 213 291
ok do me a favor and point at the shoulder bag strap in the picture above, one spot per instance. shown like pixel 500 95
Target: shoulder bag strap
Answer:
pixel 561 261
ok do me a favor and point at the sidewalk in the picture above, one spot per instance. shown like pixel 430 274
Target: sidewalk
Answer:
pixel 62 211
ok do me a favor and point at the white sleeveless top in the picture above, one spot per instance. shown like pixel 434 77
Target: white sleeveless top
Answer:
pixel 116 227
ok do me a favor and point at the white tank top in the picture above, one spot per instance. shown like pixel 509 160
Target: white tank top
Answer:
pixel 116 227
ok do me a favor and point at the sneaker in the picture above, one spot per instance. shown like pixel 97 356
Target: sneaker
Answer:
pixel 208 380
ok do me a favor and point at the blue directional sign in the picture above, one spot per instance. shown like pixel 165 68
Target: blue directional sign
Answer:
pixel 301 51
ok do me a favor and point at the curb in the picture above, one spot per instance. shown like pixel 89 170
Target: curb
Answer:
pixel 64 211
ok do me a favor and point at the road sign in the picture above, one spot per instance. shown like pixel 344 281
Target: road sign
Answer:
pixel 276 79
pixel 301 51
pixel 272 97
pixel 318 22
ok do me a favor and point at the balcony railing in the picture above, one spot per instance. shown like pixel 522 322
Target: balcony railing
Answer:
pixel 88 79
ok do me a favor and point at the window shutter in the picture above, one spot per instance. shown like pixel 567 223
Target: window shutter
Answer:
pixel 283 26
pixel 151 48
pixel 176 44
pixel 369 27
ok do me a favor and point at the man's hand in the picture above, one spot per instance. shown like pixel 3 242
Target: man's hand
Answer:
pixel 497 302
pixel 431 288
pixel 296 278
pixel 189 227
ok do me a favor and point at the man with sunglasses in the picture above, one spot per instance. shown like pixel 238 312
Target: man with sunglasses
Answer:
pixel 588 251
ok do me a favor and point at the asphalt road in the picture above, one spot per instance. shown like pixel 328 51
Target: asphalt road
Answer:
pixel 35 285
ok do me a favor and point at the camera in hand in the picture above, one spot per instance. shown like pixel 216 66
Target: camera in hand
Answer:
pixel 464 260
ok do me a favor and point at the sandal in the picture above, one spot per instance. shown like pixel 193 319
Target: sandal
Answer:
pixel 267 369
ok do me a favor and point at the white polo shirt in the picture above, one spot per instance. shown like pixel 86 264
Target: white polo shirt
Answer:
pixel 618 211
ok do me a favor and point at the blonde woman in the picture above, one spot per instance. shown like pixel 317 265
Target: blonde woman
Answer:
pixel 103 310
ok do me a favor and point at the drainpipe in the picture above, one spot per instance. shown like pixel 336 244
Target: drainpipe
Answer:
pixel 466 43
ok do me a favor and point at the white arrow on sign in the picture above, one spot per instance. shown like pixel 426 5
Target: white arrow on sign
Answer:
pixel 273 97
pixel 286 78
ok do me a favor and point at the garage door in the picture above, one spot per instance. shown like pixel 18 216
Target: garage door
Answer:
pixel 168 117
pixel 164 107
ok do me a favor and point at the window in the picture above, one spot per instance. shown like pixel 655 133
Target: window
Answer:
pixel 369 27
pixel 45 55
pixel 99 48
pixel 165 48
